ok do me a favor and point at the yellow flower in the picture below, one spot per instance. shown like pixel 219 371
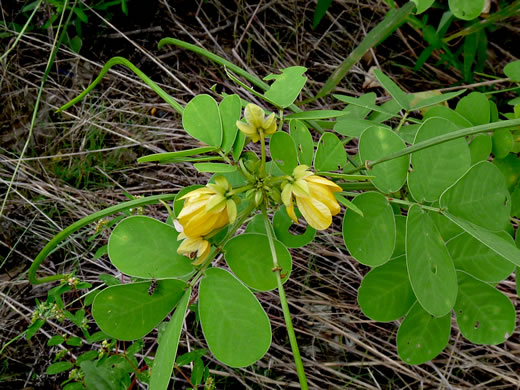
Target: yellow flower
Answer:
pixel 207 208
pixel 256 122
pixel 314 198
pixel 194 248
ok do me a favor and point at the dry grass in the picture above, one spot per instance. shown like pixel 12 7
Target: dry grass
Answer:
pixel 83 161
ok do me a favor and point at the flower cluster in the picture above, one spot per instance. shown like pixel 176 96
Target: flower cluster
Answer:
pixel 314 197
pixel 257 125
pixel 205 210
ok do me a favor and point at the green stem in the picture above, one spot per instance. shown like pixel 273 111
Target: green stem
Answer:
pixel 407 203
pixel 123 61
pixel 262 142
pixel 285 307
pixel 439 140
pixel 52 244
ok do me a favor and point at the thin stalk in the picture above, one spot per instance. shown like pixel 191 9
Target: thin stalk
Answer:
pixel 262 143
pixel 439 140
pixel 285 307
pixel 52 244
pixel 407 203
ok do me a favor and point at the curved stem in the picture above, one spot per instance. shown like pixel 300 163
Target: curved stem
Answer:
pixel 285 307
pixel 52 244
pixel 439 140
pixel 123 61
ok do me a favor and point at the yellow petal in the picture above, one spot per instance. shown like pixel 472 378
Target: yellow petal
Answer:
pixel 321 180
pixel 315 213
pixel 287 194
pixel 247 129
pixel 301 188
pixel 215 204
pixel 290 212
pixel 198 192
pixel 269 125
pixel 222 183
pixel 188 246
pixel 202 255
pixel 325 196
pixel 254 115
pixel 231 209
pixel 301 171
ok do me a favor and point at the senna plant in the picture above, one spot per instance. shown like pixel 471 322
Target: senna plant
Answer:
pixel 428 207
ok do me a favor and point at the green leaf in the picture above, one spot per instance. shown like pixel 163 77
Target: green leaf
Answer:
pixel 81 14
pixel 480 148
pixel 503 143
pixel 484 314
pixel 249 257
pixel 90 355
pixel 475 258
pixel 510 168
pixel 168 343
pixel 109 280
pixel 319 12
pixel 283 151
pixel 100 377
pixel 466 9
pixel 377 142
pixel 354 127
pixel 303 140
pixel 256 225
pixel 430 267
pixel 421 337
pixel 166 157
pixel 512 70
pixel 128 311
pixel 214 167
pixel 385 293
pixel 490 239
pixel 75 44
pixel 449 114
pixel 388 110
pixel 201 120
pixel 408 133
pixel 234 323
pixel 58 367
pixel 74 386
pixel 330 153
pixel 146 248
pixel 33 328
pixel 446 228
pixel 400 236
pixel 287 86
pixel 422 5
pixel 230 111
pixel 515 202
pixel 475 108
pixel 74 341
pixel 347 203
pixel 359 110
pixel 238 146
pixel 315 114
pixel 434 100
pixel 480 196
pixel 393 89
pixel 365 104
pixel 360 233
pixel 55 340
pixel 281 225
pixel 437 167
